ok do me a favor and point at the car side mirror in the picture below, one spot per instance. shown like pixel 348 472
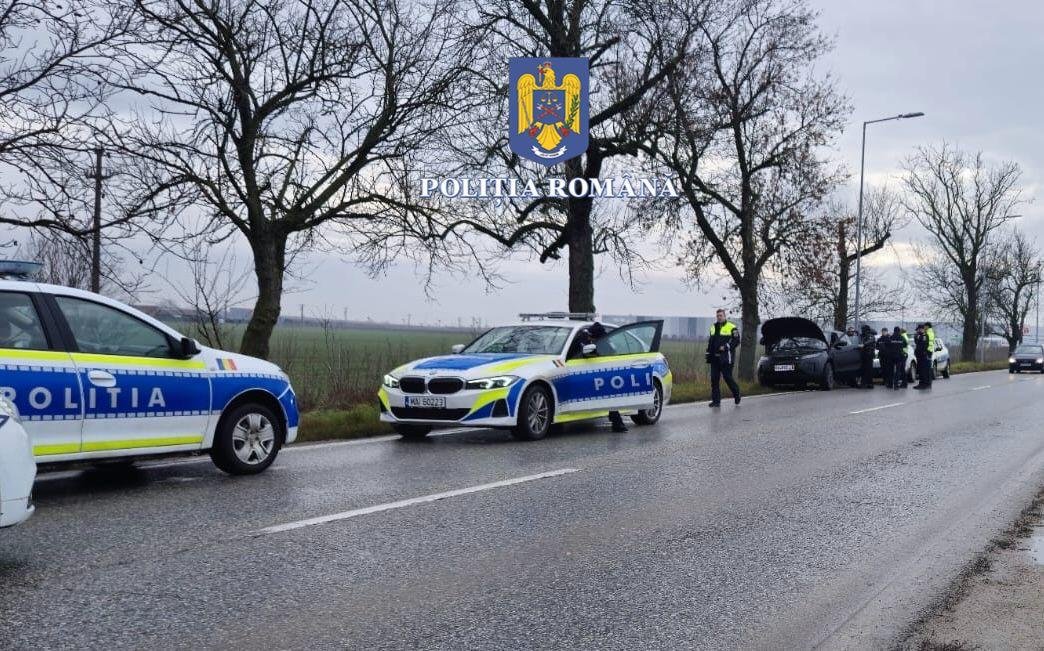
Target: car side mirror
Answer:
pixel 188 348
pixel 456 349
pixel 938 348
pixel 589 349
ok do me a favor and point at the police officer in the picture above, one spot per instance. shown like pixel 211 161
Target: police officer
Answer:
pixel 721 355
pixel 899 358
pixel 594 332
pixel 905 352
pixel 866 356
pixel 923 357
pixel 930 333
pixel 886 357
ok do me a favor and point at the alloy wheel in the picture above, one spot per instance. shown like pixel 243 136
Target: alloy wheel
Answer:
pixel 253 439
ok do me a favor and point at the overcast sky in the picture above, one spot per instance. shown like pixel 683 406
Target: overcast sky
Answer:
pixel 974 68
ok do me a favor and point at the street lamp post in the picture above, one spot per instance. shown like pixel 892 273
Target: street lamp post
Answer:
pixel 859 221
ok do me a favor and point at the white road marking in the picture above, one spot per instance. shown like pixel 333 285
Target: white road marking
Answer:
pixel 863 411
pixel 985 386
pixel 323 519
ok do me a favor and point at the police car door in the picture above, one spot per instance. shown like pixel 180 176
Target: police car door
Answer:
pixel 620 376
pixel 39 376
pixel 138 395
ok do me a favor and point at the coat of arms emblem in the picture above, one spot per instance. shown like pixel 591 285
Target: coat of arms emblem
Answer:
pixel 548 108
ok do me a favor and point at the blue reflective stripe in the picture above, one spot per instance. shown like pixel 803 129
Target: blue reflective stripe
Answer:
pixel 513 396
pixel 584 385
pixel 485 411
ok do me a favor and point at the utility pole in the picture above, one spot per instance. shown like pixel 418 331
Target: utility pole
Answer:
pixel 98 177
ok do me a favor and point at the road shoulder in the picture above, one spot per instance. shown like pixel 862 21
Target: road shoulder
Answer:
pixel 997 601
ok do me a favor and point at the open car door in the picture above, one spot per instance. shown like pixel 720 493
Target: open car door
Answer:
pixel 625 359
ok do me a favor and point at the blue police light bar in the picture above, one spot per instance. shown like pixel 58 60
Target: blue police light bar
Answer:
pixel 19 269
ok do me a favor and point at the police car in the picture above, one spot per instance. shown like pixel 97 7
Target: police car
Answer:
pixel 94 379
pixel 17 468
pixel 527 376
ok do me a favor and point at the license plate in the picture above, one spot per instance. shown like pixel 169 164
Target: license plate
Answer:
pixel 783 367
pixel 431 402
pixel 1025 363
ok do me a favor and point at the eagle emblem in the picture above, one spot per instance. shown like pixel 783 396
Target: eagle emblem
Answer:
pixel 548 108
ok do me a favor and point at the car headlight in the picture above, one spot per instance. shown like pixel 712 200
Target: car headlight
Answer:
pixel 8 408
pixel 809 356
pixel 1011 360
pixel 498 382
pixel 1040 360
pixel 763 360
pixel 391 382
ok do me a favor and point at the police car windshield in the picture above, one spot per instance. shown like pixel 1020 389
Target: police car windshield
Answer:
pixel 799 343
pixel 531 339
pixel 1029 350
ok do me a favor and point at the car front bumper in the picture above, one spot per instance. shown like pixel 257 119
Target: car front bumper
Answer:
pixel 471 408
pixel 1025 365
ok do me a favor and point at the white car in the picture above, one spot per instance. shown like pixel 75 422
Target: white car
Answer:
pixel 96 379
pixel 530 375
pixel 17 468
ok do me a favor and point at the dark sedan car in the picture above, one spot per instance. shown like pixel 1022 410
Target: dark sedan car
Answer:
pixel 799 352
pixel 1027 357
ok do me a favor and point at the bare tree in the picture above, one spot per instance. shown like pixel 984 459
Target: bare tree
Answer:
pixel 66 261
pixel 293 121
pixel 633 47
pixel 1013 273
pixel 743 131
pixel 962 202
pixel 818 271
pixel 216 286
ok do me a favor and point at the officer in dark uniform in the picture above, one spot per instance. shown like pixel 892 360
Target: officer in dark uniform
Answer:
pixel 593 333
pixel 898 344
pixel 885 357
pixel 866 356
pixel 924 360
pixel 721 355
pixel 904 354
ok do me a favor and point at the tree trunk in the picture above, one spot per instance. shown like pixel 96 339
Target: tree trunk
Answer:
pixel 581 268
pixel 269 265
pixel 749 322
pixel 971 318
pixel 841 304
pixel 580 237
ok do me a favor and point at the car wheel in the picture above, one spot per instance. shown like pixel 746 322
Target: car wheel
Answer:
pixel 827 382
pixel 247 440
pixel 652 414
pixel 412 432
pixel 535 414
pixel 946 372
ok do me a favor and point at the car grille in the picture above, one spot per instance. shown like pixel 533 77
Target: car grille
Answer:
pixel 445 385
pixel 412 385
pixel 427 413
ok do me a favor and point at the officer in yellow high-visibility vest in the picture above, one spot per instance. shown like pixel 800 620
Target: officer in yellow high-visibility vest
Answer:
pixel 930 333
pixel 721 355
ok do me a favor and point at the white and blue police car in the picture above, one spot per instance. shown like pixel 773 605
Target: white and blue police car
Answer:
pixel 530 375
pixel 17 468
pixel 95 379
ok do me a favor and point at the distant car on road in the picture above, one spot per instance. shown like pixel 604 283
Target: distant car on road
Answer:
pixel 1027 357
pixel 17 468
pixel 798 352
pixel 95 379
pixel 531 375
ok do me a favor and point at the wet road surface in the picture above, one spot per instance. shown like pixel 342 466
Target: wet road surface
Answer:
pixel 793 520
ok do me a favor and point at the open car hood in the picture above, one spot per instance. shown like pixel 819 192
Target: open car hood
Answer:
pixel 789 326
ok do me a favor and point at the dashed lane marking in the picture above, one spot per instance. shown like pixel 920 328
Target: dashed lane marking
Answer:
pixel 401 504
pixel 863 411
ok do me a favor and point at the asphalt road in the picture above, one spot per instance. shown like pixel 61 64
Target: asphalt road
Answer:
pixel 791 521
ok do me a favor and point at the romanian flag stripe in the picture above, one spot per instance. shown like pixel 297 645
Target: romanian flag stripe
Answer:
pixel 226 364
